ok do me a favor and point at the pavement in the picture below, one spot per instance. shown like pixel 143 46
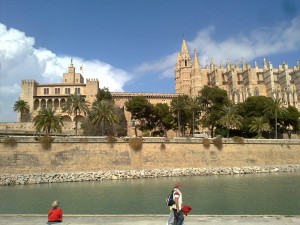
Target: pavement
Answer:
pixel 17 219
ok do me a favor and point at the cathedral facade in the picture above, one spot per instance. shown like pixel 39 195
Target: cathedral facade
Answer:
pixel 239 81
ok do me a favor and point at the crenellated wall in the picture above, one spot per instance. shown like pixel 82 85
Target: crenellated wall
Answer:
pixel 68 155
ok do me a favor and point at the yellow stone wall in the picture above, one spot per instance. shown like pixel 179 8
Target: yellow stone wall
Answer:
pixel 83 157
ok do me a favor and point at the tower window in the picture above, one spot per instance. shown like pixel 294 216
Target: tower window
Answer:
pixel 185 62
pixel 67 91
pixel 57 90
pixel 46 91
pixel 77 90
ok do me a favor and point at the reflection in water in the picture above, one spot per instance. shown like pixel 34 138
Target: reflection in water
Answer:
pixel 277 193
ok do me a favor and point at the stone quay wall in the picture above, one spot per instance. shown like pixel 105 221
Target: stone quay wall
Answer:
pixel 90 158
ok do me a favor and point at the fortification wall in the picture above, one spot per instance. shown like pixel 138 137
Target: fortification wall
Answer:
pixel 73 156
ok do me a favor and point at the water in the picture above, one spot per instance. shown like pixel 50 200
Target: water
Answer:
pixel 274 194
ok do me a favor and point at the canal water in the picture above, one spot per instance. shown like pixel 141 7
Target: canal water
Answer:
pixel 256 194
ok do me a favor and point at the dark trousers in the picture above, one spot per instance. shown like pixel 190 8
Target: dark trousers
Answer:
pixel 178 217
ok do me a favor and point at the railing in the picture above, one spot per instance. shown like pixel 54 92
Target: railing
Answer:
pixel 187 140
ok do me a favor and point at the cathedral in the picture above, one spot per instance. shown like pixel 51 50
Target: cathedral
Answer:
pixel 239 81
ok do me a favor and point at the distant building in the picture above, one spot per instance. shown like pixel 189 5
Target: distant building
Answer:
pixel 55 95
pixel 239 81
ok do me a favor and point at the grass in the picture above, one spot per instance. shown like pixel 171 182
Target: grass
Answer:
pixel 111 140
pixel 10 142
pixel 237 139
pixel 163 146
pixel 46 142
pixel 206 142
pixel 218 142
pixel 136 144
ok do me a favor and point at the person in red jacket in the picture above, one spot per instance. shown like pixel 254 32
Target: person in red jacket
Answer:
pixel 55 213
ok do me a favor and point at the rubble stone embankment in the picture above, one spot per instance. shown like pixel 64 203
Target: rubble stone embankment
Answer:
pixel 39 178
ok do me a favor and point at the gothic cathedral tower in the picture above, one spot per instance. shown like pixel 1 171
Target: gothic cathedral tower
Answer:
pixel 183 71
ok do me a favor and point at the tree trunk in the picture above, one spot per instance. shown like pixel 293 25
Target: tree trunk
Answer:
pixel 275 124
pixel 76 122
pixel 193 123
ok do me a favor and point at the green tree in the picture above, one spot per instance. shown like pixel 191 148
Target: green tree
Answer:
pixel 47 121
pixel 22 107
pixel 253 106
pixel 211 100
pixel 141 111
pixel 290 121
pixel 121 126
pixel 75 104
pixel 163 117
pixel 103 111
pixel 259 124
pixel 230 118
pixel 104 94
pixel 179 107
pixel 194 107
pixel 274 109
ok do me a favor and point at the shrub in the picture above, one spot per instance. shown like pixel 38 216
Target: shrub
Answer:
pixel 135 143
pixel 206 142
pixel 111 139
pixel 218 143
pixel 10 142
pixel 162 146
pixel 146 133
pixel 238 139
pixel 46 142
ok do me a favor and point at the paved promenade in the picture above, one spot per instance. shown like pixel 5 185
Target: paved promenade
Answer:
pixel 150 220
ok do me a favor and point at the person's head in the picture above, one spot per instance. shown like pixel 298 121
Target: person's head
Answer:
pixel 178 185
pixel 55 204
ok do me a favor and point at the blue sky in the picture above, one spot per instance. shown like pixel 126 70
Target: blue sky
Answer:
pixel 131 45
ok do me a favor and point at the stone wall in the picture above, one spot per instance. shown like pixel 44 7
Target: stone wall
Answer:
pixel 94 154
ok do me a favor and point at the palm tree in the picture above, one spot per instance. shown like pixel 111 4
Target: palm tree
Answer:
pixel 75 104
pixel 259 124
pixel 275 109
pixel 22 107
pixel 47 121
pixel 103 111
pixel 230 118
pixel 177 107
pixel 194 106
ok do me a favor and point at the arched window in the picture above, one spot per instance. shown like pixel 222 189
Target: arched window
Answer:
pixel 77 90
pixel 46 91
pixel 67 91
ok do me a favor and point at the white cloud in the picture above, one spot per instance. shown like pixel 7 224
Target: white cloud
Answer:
pixel 19 60
pixel 264 41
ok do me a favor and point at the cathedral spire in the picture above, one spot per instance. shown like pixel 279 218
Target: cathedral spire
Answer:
pixel 196 64
pixel 184 48
pixel 185 55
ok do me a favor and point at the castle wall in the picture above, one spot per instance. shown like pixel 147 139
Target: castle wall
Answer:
pixel 67 155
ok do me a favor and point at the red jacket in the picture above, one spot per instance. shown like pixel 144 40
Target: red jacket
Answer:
pixel 55 215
